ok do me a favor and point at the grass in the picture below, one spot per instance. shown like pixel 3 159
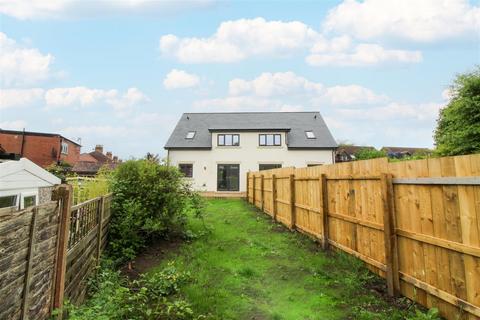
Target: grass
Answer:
pixel 246 267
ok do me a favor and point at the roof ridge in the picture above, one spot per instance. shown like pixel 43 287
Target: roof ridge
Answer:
pixel 250 112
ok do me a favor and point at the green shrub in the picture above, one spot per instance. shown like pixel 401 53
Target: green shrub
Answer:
pixel 150 201
pixel 367 153
pixel 151 297
pixel 88 188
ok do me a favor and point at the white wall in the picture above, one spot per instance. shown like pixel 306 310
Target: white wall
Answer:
pixel 249 155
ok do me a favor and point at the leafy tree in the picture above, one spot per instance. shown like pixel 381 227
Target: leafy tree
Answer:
pixel 458 126
pixel 368 153
pixel 62 170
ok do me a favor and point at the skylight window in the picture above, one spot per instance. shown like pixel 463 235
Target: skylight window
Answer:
pixel 310 134
pixel 190 135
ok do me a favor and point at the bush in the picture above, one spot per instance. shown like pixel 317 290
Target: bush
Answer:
pixel 151 297
pixel 367 153
pixel 88 188
pixel 150 201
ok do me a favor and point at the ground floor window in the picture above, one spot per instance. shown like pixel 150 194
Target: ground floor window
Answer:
pixel 8 201
pixel 268 166
pixel 186 169
pixel 228 177
pixel 29 201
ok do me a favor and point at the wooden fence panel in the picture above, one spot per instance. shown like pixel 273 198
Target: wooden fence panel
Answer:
pixel 35 274
pixel 422 235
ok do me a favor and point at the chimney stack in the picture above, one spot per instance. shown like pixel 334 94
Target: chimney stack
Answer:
pixel 109 155
pixel 115 159
pixel 99 148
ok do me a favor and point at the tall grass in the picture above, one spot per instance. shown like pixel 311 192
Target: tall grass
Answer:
pixel 86 188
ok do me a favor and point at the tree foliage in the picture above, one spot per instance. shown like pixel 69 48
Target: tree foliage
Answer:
pixel 368 153
pixel 150 201
pixel 458 125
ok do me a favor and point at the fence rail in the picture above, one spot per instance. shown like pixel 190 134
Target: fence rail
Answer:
pixel 48 252
pixel 415 223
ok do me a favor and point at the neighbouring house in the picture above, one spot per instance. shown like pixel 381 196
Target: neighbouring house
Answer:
pixel 400 152
pixel 88 164
pixel 347 153
pixel 24 184
pixel 43 149
pixel 216 150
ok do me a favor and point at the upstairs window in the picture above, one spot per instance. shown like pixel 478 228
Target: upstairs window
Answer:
pixel 190 135
pixel 64 148
pixel 186 169
pixel 228 140
pixel 310 134
pixel 270 140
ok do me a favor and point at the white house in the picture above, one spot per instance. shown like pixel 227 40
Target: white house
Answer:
pixel 216 150
pixel 23 183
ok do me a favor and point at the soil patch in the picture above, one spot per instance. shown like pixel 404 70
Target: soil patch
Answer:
pixel 150 257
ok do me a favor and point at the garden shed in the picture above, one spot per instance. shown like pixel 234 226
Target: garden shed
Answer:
pixel 24 184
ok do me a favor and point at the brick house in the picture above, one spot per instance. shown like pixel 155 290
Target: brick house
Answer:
pixel 41 148
pixel 88 164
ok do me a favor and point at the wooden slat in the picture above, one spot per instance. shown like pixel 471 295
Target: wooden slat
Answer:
pixel 28 273
pixel 367 224
pixel 466 181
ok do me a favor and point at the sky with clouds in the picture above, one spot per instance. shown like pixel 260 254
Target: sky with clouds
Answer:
pixel 120 73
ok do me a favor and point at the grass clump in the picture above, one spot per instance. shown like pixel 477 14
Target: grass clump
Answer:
pixel 153 296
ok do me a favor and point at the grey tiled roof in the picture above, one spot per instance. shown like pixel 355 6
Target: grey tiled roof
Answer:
pixel 295 123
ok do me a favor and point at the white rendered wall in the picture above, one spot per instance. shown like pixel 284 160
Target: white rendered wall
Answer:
pixel 248 155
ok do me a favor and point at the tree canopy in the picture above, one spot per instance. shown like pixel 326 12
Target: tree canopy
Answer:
pixel 458 125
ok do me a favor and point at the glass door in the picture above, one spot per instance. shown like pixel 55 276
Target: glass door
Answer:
pixel 228 177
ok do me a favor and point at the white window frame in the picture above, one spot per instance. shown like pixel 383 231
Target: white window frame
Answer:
pixel 310 134
pixel 28 194
pixel 17 200
pixel 64 147
pixel 190 135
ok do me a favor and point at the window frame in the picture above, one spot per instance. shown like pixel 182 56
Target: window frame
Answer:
pixel 266 139
pixel 193 136
pixel 191 170
pixel 64 147
pixel 313 134
pixel 16 198
pixel 223 135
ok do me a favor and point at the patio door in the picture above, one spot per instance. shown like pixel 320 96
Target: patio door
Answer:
pixel 228 177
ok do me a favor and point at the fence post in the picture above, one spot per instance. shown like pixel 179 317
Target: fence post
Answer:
pixel 324 197
pixel 262 192
pixel 390 236
pixel 100 227
pixel 253 191
pixel 248 186
pixel 274 197
pixel 64 194
pixel 28 274
pixel 292 201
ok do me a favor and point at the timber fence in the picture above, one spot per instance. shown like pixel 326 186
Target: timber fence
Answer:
pixel 415 223
pixel 48 252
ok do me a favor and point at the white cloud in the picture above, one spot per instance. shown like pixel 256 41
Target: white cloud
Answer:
pixel 236 40
pixel 363 55
pixel 22 66
pixel 394 112
pixel 352 94
pixel 294 86
pixel 425 20
pixel 62 9
pixel 13 125
pixel 269 84
pixel 83 96
pixel 10 98
pixel 177 79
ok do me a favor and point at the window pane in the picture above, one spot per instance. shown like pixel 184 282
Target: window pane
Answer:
pixel 269 139
pixel 228 139
pixel 186 169
pixel 8 201
pixel 236 140
pixel 277 139
pixel 190 135
pixel 262 140
pixel 29 201
pixel 310 134
pixel 221 140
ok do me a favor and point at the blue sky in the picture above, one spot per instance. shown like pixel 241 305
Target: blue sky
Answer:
pixel 121 73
